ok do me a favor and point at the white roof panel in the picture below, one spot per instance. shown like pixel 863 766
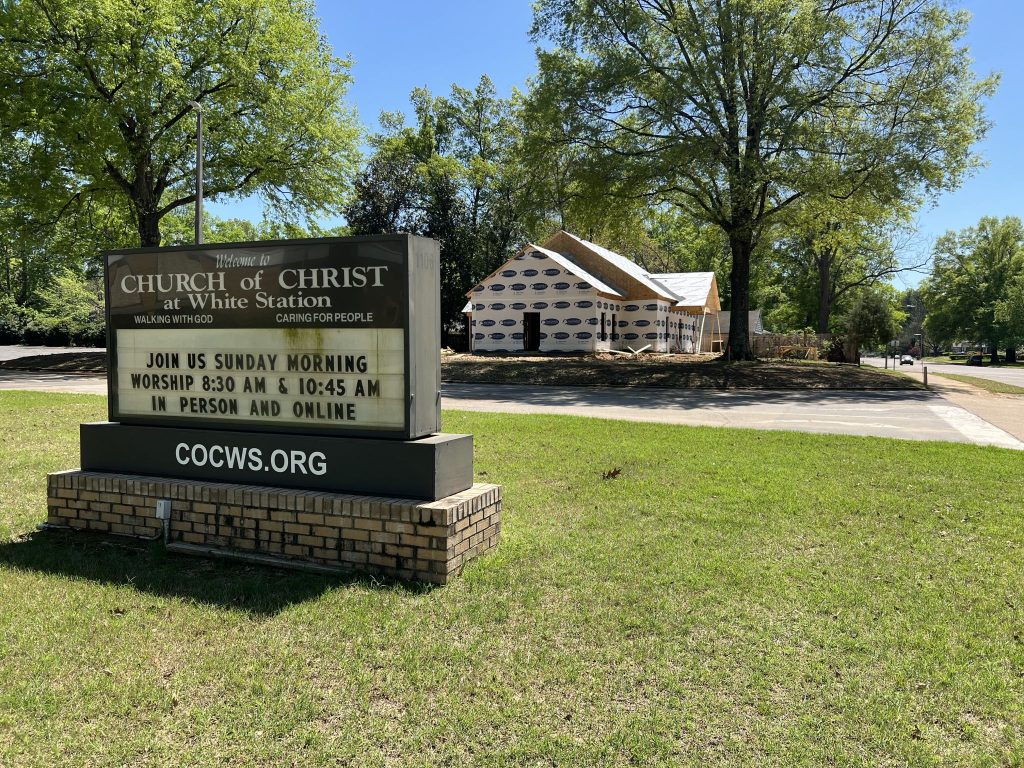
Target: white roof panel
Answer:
pixel 631 268
pixel 692 288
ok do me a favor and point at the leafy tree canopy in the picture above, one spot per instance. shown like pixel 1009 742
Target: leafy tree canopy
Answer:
pixel 974 277
pixel 451 176
pixel 870 319
pixel 105 91
pixel 735 110
pixel 827 249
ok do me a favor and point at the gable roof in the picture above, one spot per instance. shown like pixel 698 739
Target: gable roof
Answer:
pixel 567 264
pixel 614 275
pixel 626 276
pixel 698 290
pixel 577 270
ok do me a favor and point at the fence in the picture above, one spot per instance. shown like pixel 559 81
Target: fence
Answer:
pixel 803 345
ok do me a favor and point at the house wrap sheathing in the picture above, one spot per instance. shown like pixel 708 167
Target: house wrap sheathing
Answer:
pixel 570 295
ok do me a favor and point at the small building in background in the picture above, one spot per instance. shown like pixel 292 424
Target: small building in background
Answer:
pixel 571 295
pixel 716 332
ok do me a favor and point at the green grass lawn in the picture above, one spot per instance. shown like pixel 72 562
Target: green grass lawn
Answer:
pixel 986 384
pixel 731 598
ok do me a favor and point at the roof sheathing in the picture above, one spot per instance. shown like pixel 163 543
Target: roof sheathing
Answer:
pixel 598 285
pixel 616 270
pixel 580 272
pixel 697 291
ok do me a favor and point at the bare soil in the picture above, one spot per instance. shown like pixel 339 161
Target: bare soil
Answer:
pixel 604 370
pixel 671 371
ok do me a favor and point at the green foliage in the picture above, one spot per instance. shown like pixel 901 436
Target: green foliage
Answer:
pixel 870 320
pixel 1009 313
pixel 827 249
pixel 734 111
pixel 107 88
pixel 451 177
pixel 45 227
pixel 12 320
pixel 179 229
pixel 975 281
pixel 69 312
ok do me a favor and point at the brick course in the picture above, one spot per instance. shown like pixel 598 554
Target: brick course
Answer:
pixel 402 538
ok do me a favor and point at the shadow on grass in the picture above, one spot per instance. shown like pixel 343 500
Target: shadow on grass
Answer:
pixel 148 567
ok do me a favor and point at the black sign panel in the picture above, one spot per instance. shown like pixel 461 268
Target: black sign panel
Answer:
pixel 340 283
pixel 311 336
pixel 429 468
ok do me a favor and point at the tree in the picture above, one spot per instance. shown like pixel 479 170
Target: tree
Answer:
pixel 735 110
pixel 1010 314
pixel 912 301
pixel 974 274
pixel 869 321
pixel 47 230
pixel 831 248
pixel 179 229
pixel 110 89
pixel 451 176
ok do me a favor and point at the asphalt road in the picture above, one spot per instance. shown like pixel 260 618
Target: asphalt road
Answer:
pixel 1005 375
pixel 54 382
pixel 911 415
pixel 13 352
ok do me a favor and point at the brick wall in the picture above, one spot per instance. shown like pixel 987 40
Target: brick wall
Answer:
pixel 401 538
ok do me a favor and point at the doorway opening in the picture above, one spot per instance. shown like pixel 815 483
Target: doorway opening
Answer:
pixel 531 331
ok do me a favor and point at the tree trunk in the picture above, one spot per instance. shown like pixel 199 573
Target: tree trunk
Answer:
pixel 23 298
pixel 824 293
pixel 993 351
pixel 738 348
pixel 148 224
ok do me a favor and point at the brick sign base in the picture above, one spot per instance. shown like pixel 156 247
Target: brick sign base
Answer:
pixel 399 538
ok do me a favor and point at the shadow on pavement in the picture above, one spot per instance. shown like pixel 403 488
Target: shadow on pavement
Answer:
pixel 687 400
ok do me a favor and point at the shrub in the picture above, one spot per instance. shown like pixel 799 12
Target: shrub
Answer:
pixel 12 321
pixel 69 312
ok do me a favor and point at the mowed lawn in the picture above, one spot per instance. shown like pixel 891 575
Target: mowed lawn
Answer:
pixel 730 598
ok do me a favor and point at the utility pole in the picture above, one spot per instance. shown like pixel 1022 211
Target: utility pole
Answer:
pixel 199 170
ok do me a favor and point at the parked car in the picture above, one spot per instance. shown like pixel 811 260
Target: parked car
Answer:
pixel 974 360
pixel 906 360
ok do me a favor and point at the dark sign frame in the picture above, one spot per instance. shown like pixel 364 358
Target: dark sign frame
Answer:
pixel 418 291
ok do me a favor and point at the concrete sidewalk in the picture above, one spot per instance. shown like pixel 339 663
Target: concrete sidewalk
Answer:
pixel 1003 411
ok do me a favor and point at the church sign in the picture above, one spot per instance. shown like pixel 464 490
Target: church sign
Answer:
pixel 279 402
pixel 300 336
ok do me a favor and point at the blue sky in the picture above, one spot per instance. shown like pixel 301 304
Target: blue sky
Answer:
pixel 401 44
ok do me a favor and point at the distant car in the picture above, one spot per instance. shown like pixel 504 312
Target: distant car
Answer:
pixel 906 360
pixel 974 360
